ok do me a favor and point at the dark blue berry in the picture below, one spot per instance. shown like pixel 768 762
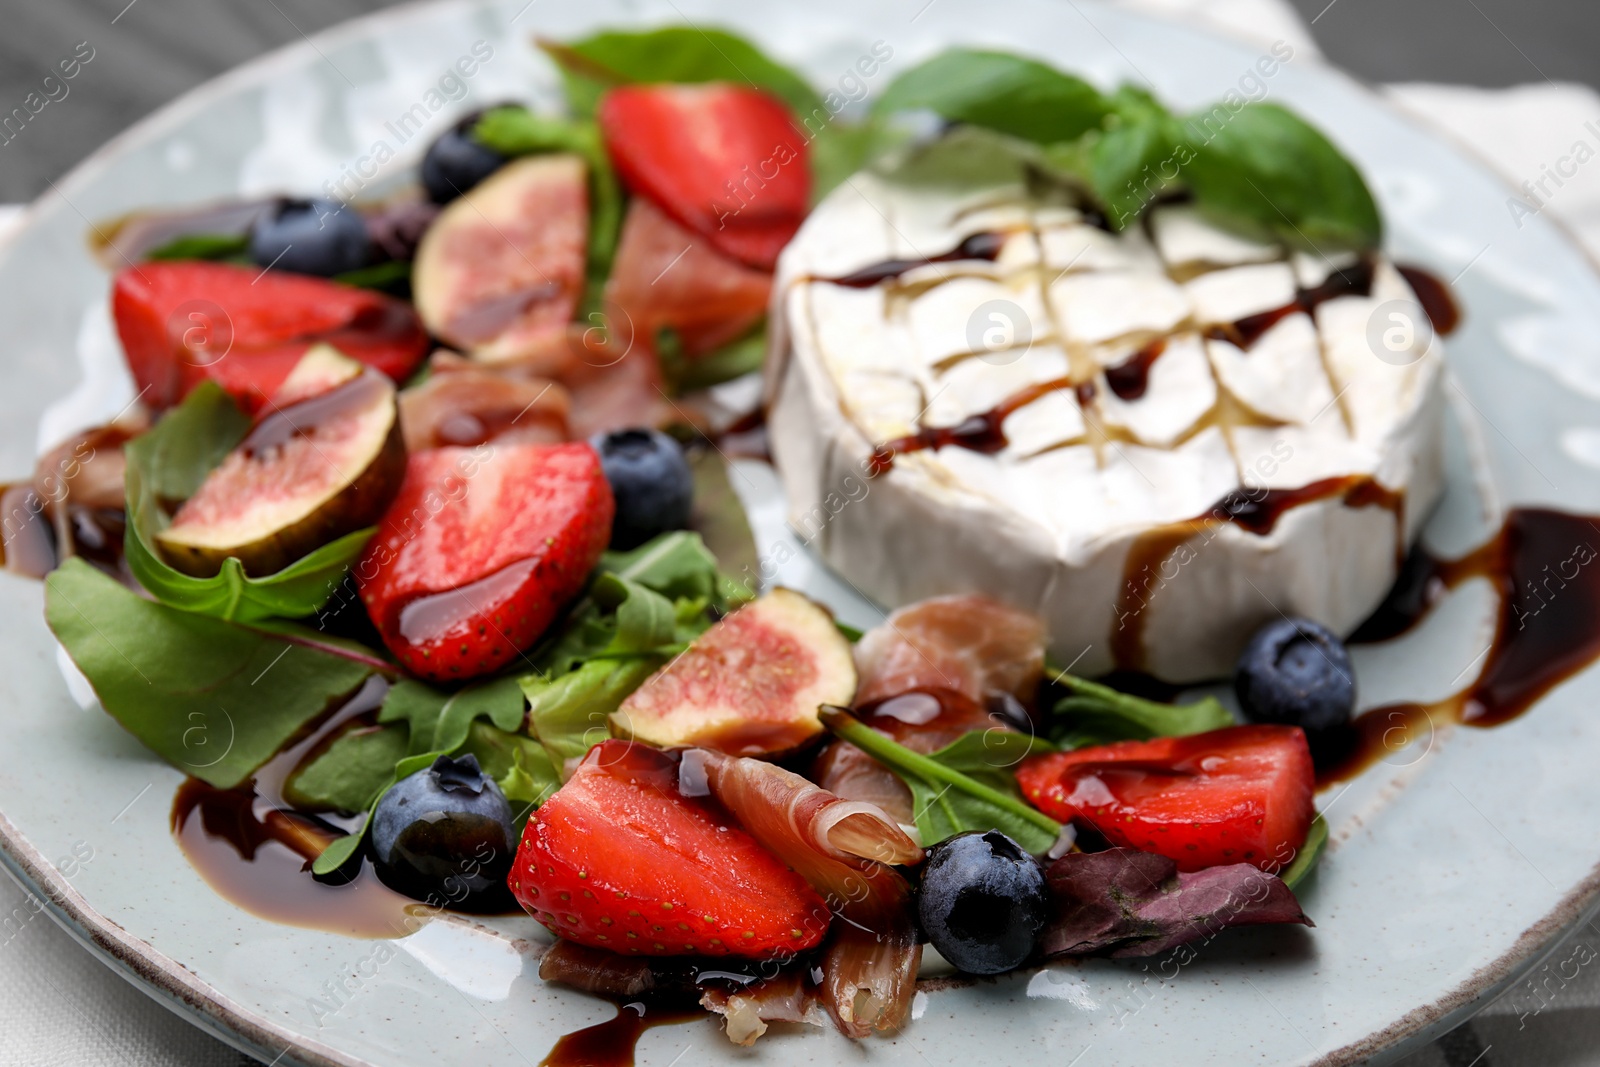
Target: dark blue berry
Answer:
pixel 322 237
pixel 983 902
pixel 455 162
pixel 1296 673
pixel 650 480
pixel 445 833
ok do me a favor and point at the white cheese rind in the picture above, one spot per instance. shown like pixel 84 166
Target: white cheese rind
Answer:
pixel 1056 520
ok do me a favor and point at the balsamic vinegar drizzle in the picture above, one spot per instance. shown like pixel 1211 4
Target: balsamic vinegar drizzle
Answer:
pixel 1129 379
pixel 612 1043
pixel 979 246
pixel 1548 629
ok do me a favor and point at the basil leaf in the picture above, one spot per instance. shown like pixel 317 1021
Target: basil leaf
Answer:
pixel 233 247
pixel 569 714
pixel 1269 173
pixel 969 792
pixel 1011 94
pixel 672 54
pixel 516 131
pixel 347 775
pixel 1305 861
pixel 186 684
pixel 170 462
pixel 1128 164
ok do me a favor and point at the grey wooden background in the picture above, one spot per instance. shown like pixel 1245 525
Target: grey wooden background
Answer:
pixel 149 51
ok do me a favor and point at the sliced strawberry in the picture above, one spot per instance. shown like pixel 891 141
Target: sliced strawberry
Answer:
pixel 480 550
pixel 619 859
pixel 667 276
pixel 183 322
pixel 1239 795
pixel 724 160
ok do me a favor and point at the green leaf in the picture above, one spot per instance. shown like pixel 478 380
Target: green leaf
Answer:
pixel 189 442
pixel 967 785
pixel 214 699
pixel 1008 93
pixel 1095 714
pixel 568 714
pixel 516 131
pixel 676 565
pixel 350 773
pixel 439 721
pixel 733 360
pixel 518 764
pixel 839 149
pixel 340 850
pixel 1310 853
pixel 169 463
pixel 688 54
pixel 646 620
pixel 393 275
pixel 213 246
pixel 1267 172
pixel 1128 166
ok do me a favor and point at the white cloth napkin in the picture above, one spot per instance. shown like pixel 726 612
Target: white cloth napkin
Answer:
pixel 60 1006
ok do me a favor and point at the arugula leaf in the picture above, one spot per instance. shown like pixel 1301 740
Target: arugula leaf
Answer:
pixel 169 463
pixel 967 785
pixel 518 764
pixel 1003 92
pixel 1096 714
pixel 185 684
pixel 689 54
pixel 676 565
pixel 568 714
pixel 231 247
pixel 517 131
pixel 350 772
pixel 1266 171
pixel 1305 861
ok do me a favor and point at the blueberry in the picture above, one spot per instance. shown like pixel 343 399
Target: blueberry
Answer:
pixel 650 480
pixel 455 162
pixel 445 832
pixel 1296 673
pixel 322 237
pixel 983 902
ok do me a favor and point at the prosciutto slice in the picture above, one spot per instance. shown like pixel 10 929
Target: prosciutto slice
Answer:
pixel 971 644
pixel 843 848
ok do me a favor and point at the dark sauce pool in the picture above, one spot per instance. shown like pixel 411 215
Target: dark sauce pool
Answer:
pixel 256 851
pixel 1541 566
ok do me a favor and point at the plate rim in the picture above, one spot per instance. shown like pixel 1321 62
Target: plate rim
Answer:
pixel 177 988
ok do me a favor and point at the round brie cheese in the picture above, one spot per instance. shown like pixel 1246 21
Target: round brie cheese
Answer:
pixel 1158 440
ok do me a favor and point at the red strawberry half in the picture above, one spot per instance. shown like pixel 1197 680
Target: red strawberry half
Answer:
pixel 619 859
pixel 1239 795
pixel 480 551
pixel 724 160
pixel 183 322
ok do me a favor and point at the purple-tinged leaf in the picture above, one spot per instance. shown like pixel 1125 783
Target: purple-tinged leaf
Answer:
pixel 1123 902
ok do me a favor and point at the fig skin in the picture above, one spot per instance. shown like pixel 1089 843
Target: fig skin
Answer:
pixel 358 503
pixel 750 685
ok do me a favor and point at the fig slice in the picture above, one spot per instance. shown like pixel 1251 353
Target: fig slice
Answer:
pixel 323 460
pixel 748 686
pixel 499 272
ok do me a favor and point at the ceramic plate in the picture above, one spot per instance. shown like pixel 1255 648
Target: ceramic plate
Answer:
pixel 1454 861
